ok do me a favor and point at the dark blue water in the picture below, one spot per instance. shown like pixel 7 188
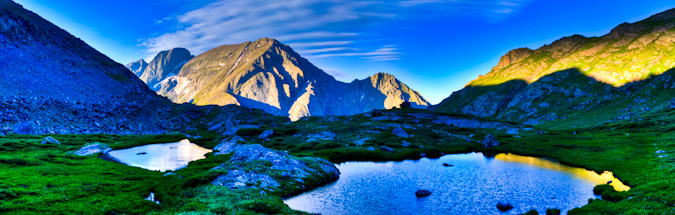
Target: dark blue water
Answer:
pixel 473 185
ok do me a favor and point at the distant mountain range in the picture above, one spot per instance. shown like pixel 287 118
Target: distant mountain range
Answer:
pixel 270 76
pixel 579 80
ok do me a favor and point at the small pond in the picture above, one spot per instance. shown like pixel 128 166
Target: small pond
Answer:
pixel 473 185
pixel 160 157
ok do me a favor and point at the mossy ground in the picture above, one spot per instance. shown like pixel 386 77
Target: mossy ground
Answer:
pixel 47 179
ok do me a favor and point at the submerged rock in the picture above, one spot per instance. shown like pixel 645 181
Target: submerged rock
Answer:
pixel 370 148
pixel 422 193
pixel 490 141
pixel 447 164
pixel 50 140
pixel 400 132
pixel 504 206
pixel 93 149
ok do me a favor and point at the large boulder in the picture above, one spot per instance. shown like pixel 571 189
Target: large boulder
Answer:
pixel 400 132
pixel 490 141
pixel 27 128
pixel 281 169
pixel 93 149
pixel 50 140
pixel 238 179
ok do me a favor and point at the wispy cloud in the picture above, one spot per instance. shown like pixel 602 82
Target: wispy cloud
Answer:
pixel 317 28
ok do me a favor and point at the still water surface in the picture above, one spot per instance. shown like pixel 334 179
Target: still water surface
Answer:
pixel 160 157
pixel 473 185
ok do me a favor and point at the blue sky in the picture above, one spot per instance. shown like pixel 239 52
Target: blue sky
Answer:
pixel 434 46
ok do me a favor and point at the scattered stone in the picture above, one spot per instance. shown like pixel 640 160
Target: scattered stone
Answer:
pixel 540 132
pixel 660 152
pixel 387 149
pixel 447 165
pixel 512 132
pixel 361 141
pixel 400 132
pixel 423 155
pixel 93 149
pixel 504 206
pixel 490 141
pixel 326 135
pixel 27 128
pixel 405 144
pixel 422 193
pixel 151 198
pixel 50 140
pixel 266 134
pixel 370 148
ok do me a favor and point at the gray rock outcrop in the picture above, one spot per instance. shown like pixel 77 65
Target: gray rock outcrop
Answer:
pixel 92 149
pixel 490 141
pixel 50 140
pixel 306 171
pixel 399 132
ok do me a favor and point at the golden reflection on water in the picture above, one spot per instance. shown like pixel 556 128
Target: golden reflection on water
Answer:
pixel 578 172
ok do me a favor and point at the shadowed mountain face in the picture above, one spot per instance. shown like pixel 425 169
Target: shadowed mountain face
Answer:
pixel 529 85
pixel 268 75
pixel 164 65
pixel 54 83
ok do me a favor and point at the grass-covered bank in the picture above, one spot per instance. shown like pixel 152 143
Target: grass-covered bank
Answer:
pixel 49 179
pixel 46 179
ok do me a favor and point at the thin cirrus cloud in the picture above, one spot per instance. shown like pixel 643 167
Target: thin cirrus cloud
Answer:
pixel 317 28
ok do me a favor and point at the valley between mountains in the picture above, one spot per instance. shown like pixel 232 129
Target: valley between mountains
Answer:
pixel 277 125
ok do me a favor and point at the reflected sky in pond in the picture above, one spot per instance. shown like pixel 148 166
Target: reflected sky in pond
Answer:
pixel 160 157
pixel 473 185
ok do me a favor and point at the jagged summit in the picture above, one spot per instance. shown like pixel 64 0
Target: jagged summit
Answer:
pixel 271 76
pixel 137 67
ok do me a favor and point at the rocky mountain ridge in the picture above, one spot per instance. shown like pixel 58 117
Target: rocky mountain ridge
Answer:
pixel 577 78
pixel 270 76
pixel 54 83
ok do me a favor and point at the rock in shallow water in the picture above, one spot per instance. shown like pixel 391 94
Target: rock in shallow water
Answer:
pixel 504 206
pixel 422 193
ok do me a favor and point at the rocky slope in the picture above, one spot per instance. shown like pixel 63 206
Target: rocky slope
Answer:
pixel 165 64
pixel 53 82
pixel 268 75
pixel 578 79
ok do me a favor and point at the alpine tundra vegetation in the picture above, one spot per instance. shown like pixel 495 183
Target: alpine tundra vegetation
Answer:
pixel 269 126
